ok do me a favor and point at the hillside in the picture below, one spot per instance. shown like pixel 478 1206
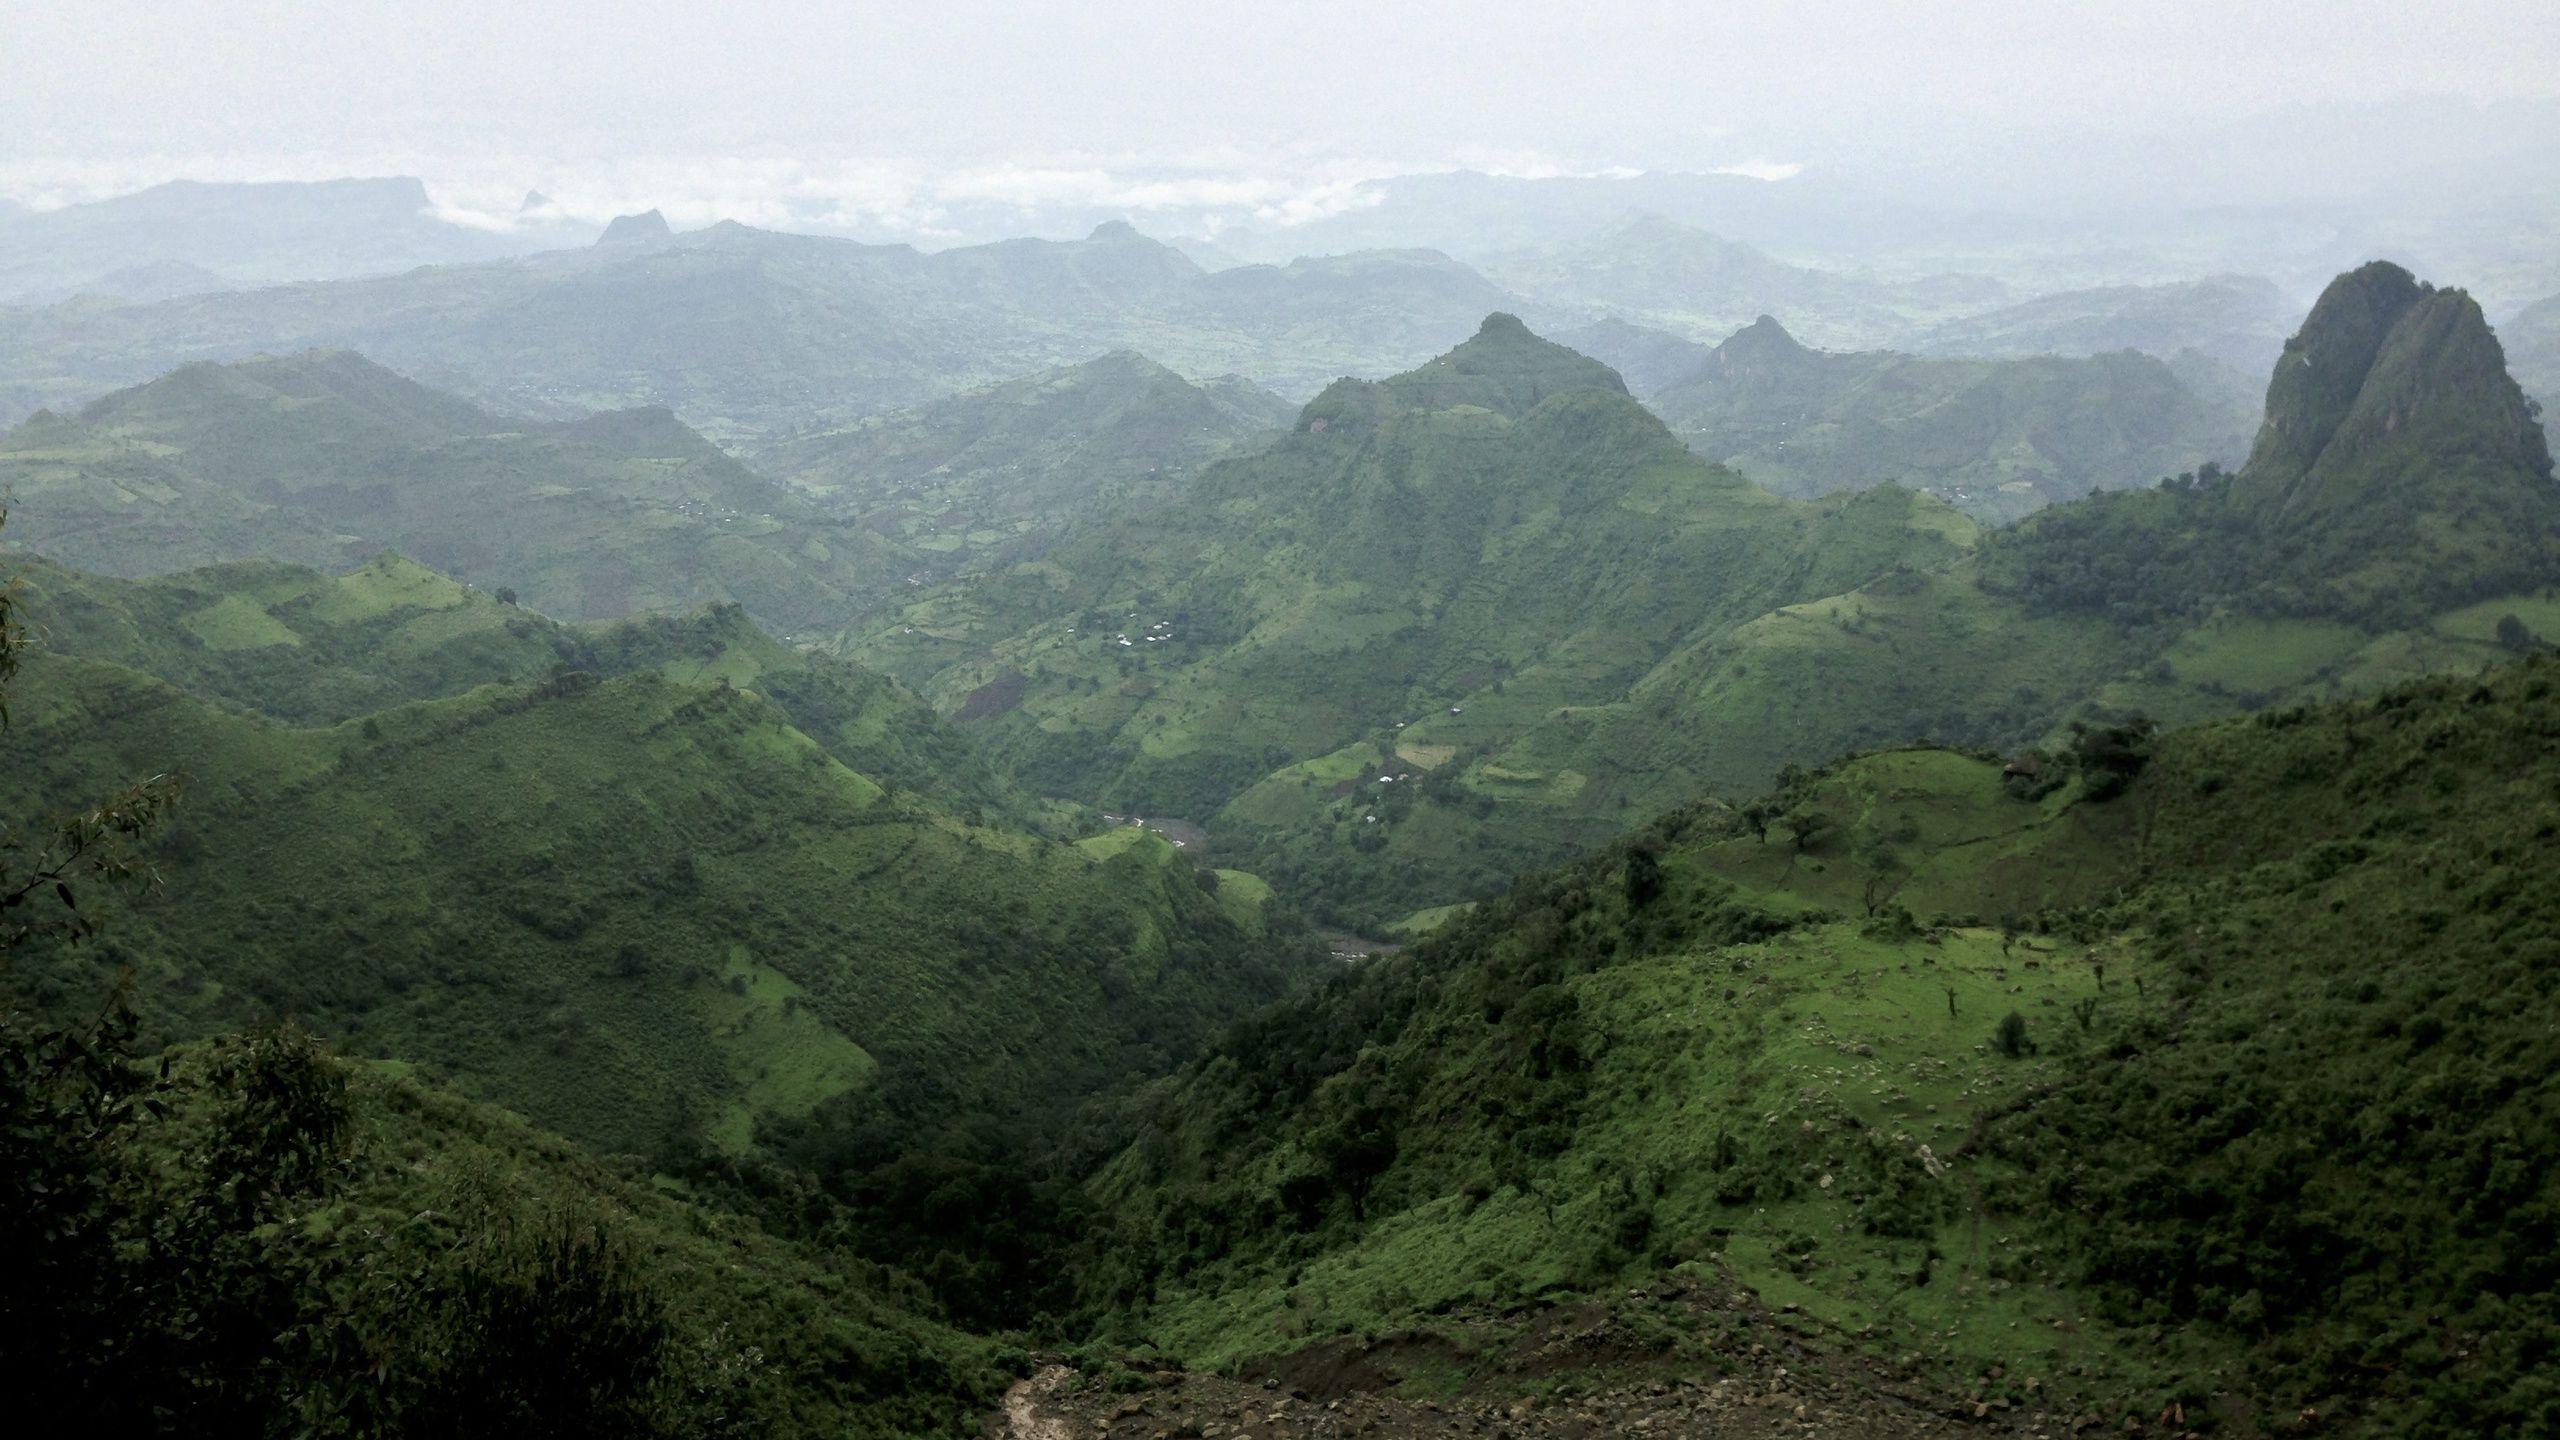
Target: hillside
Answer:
pixel 1998 439
pixel 1669 276
pixel 643 902
pixel 2129 1090
pixel 978 476
pixel 1423 566
pixel 2235 320
pixel 322 458
pixel 2182 602
pixel 749 335
pixel 253 1233
pixel 309 648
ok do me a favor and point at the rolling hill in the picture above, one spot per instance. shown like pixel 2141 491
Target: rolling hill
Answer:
pixel 982 475
pixel 323 458
pixel 1998 439
pixel 2239 321
pixel 1668 276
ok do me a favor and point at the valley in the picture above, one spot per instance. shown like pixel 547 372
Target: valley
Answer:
pixel 1532 805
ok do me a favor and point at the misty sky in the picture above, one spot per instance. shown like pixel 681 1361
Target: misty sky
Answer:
pixel 102 94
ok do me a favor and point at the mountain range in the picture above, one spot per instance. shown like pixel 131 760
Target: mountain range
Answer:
pixel 608 937
pixel 1481 615
pixel 1996 438
pixel 326 457
pixel 189 236
pixel 751 335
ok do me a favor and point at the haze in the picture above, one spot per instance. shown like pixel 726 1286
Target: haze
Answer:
pixel 1267 109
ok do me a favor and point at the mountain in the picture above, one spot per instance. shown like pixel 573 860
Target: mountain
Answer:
pixel 1672 277
pixel 2187 600
pixel 243 234
pixel 1419 569
pixel 325 457
pixel 644 228
pixel 1711 672
pixel 750 335
pixel 2532 340
pixel 2015 1085
pixel 2237 320
pixel 988 471
pixel 2395 434
pixel 1996 438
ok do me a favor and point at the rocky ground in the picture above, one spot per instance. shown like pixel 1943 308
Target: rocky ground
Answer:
pixel 1687 1360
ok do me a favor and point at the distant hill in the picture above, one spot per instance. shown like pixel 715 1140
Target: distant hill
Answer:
pixel 987 472
pixel 2237 320
pixel 239 236
pixel 749 335
pixel 325 457
pixel 1996 438
pixel 1672 277
pixel 2532 340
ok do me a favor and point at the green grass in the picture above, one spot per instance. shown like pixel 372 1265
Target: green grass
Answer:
pixel 1784 1065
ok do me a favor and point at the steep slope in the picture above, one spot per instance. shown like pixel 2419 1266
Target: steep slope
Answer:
pixel 981 475
pixel 319 458
pixel 651 912
pixel 2237 320
pixel 1424 566
pixel 749 334
pixel 1996 438
pixel 2395 434
pixel 1669 276
pixel 2177 1081
pixel 251 1234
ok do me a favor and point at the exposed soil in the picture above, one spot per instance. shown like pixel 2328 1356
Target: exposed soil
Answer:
pixel 1687 1359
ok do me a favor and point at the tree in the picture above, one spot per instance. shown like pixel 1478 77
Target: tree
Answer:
pixel 2514 635
pixel 2010 1038
pixel 506 595
pixel 1644 876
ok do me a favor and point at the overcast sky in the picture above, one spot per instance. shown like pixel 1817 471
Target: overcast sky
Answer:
pixel 100 94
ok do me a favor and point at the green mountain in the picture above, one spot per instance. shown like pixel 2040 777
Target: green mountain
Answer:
pixel 2236 320
pixel 653 904
pixel 1423 567
pixel 982 475
pixel 2134 1087
pixel 320 458
pixel 2395 436
pixel 1480 617
pixel 1995 438
pixel 2182 602
pixel 1661 274
pixel 750 334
